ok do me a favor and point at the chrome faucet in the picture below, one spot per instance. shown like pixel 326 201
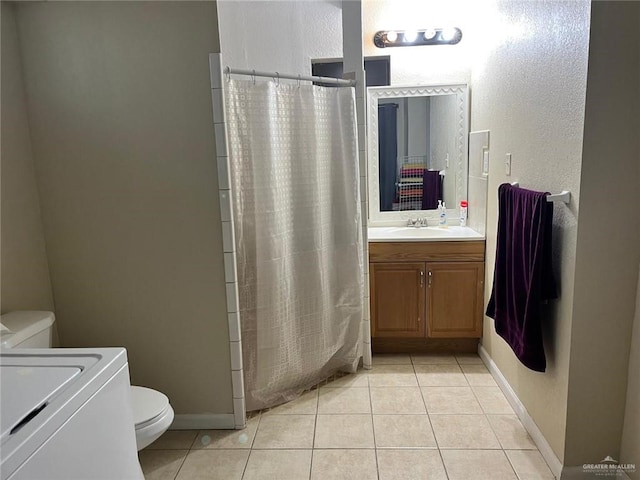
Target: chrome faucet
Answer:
pixel 417 222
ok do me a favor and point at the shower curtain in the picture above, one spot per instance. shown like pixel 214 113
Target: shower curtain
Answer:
pixel 296 203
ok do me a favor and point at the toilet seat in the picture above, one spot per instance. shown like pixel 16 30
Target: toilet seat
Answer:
pixel 152 415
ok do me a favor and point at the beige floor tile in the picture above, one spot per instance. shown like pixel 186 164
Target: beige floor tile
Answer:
pixel 477 465
pixel 396 400
pixel 469 359
pixel 344 431
pixel 174 440
pixel 161 464
pixel 305 404
pixel 392 376
pixel 278 465
pixel 510 432
pixel 492 400
pixel 228 438
pixel 478 375
pixel 403 431
pixel 358 379
pixel 451 400
pixel 410 465
pixel 440 376
pixel 463 431
pixel 344 464
pixel 213 465
pixel 433 359
pixel 344 400
pixel 285 431
pixel 529 465
pixel 391 359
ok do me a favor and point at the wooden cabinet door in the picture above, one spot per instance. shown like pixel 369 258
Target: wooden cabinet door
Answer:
pixel 455 296
pixel 397 299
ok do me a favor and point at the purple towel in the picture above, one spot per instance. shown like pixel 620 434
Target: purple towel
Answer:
pixel 523 275
pixel 431 189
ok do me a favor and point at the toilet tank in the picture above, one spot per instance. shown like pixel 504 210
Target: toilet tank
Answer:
pixel 26 329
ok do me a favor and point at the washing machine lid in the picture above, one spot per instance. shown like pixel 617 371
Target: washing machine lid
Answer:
pixel 84 372
pixel 147 404
pixel 27 390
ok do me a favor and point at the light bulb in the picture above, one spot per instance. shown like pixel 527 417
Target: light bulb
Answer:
pixel 448 34
pixel 392 36
pixel 410 36
pixel 429 33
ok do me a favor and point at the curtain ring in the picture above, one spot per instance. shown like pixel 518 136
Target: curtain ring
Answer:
pixel 227 73
pixel 253 77
pixel 277 79
pixel 298 80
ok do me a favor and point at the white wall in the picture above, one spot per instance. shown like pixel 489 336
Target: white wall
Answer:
pixel 483 26
pixel 443 135
pixel 25 283
pixel 279 36
pixel 418 126
pixel 431 64
pixel 120 111
pixel 606 272
pixel 527 88
pixel 530 94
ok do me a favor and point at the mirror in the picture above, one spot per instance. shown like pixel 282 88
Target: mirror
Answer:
pixel 417 151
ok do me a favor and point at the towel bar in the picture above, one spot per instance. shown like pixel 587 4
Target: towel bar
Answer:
pixel 563 196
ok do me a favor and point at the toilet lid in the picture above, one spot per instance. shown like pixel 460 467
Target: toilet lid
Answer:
pixel 147 404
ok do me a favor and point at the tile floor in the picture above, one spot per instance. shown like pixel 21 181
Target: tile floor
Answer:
pixel 409 417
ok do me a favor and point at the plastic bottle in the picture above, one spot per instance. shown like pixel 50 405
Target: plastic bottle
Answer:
pixel 443 213
pixel 463 213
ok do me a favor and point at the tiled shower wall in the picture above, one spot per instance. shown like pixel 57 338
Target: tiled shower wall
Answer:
pixel 228 240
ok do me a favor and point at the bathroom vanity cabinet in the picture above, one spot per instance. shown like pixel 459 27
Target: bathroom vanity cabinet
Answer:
pixel 426 291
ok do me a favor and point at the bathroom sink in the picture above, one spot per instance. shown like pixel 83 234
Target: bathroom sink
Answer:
pixel 422 234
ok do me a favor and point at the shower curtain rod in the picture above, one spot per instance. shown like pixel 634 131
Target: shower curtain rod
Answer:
pixel 290 76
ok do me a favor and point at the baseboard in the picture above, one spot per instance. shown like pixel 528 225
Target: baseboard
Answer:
pixel 204 421
pixel 536 435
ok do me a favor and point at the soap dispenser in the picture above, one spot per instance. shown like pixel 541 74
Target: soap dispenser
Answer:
pixel 443 213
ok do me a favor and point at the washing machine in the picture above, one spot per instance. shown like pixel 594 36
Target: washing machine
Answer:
pixel 66 414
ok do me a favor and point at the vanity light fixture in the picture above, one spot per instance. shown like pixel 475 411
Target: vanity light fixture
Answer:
pixel 412 38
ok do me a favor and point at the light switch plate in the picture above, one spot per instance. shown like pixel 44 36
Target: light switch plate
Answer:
pixel 507 165
pixel 478 144
pixel 485 162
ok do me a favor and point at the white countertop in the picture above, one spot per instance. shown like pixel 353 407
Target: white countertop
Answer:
pixel 422 234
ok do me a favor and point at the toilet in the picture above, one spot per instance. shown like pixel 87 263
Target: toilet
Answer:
pixel 34 329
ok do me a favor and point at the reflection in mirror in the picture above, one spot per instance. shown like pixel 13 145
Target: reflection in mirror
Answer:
pixel 417 150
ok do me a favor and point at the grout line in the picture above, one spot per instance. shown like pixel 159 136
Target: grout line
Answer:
pixel 373 427
pixel 444 466
pixel 311 462
pixel 315 421
pixel 246 463
pixel 494 431
pixel 510 464
pixel 513 467
pixel 257 427
pixel 181 464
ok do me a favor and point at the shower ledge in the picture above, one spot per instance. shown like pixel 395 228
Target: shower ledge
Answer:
pixel 422 234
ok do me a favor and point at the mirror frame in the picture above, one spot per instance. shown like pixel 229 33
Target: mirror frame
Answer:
pixel 460 158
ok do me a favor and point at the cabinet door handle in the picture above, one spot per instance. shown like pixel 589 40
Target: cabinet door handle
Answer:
pixel 421 278
pixel 430 276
